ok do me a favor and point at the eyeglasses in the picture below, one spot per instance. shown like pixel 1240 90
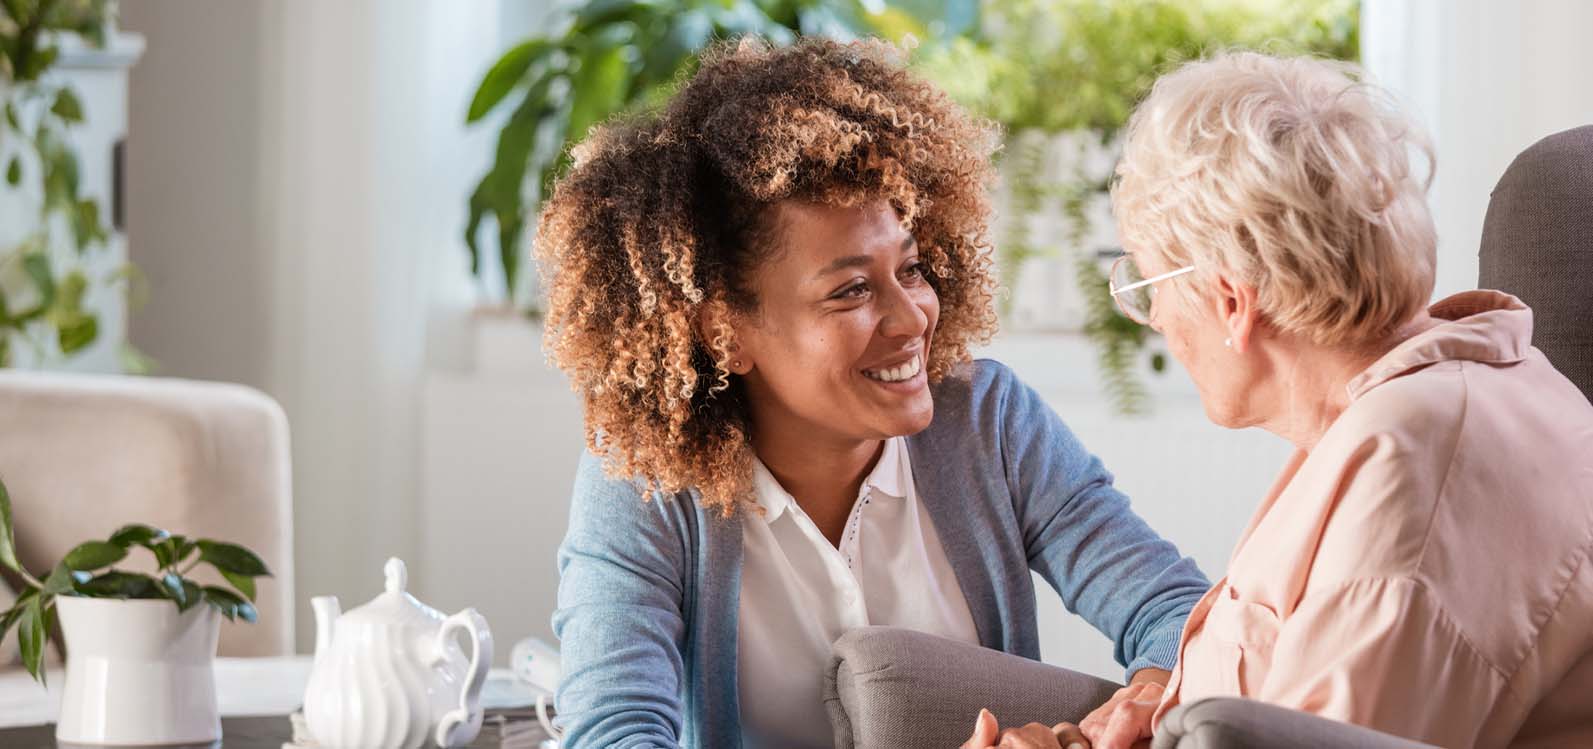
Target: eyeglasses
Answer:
pixel 1135 294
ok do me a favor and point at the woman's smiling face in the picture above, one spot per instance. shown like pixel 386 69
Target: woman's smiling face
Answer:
pixel 839 343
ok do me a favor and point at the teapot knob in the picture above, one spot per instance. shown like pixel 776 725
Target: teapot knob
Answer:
pixel 397 575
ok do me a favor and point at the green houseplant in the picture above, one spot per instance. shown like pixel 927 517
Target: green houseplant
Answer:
pixel 1049 68
pixel 89 571
pixel 43 281
pixel 611 56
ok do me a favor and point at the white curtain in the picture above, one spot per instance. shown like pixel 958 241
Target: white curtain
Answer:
pixel 1487 79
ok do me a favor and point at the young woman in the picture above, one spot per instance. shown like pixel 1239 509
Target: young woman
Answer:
pixel 766 293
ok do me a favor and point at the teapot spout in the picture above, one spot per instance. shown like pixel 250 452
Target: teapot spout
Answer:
pixel 327 611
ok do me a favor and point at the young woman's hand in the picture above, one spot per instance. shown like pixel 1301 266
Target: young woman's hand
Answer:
pixel 988 735
pixel 1125 720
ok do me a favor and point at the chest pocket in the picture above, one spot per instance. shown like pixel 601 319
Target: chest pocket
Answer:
pixel 1243 634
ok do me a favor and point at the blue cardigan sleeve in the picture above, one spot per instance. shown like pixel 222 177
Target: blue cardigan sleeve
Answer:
pixel 619 619
pixel 1082 536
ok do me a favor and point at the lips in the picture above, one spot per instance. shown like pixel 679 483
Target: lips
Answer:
pixel 898 373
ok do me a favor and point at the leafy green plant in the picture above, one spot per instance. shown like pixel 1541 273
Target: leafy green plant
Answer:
pixel 42 292
pixel 613 56
pixel 1045 67
pixel 88 570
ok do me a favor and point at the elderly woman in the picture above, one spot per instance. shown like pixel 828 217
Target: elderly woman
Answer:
pixel 765 294
pixel 1421 566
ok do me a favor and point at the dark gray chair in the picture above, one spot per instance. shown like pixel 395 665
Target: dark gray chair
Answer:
pixel 1537 243
pixel 889 687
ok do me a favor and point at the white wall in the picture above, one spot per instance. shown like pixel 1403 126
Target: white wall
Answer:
pixel 298 175
pixel 1488 79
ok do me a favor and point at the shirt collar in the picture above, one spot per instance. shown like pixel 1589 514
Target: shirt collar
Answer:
pixel 890 478
pixel 1482 326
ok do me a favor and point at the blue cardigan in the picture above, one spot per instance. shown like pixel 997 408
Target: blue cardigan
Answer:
pixel 648 592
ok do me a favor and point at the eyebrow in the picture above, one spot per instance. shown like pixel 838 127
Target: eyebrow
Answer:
pixel 857 261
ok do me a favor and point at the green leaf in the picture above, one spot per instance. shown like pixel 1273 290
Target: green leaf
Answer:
pixel 8 543
pixel 14 172
pixel 37 266
pixel 78 334
pixel 86 226
pixel 139 534
pixel 500 191
pixel 173 550
pixel 230 605
pixel 505 75
pixel 598 89
pixel 35 64
pixel 61 171
pixel 67 106
pixel 92 555
pixel 232 558
pixel 243 583
pixel 688 33
pixel 116 584
pixel 11 615
pixel 193 595
pixel 11 117
pixel 171 586
pixel 30 635
pixel 60 581
pixel 604 12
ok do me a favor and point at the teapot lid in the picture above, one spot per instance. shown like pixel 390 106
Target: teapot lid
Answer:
pixel 395 605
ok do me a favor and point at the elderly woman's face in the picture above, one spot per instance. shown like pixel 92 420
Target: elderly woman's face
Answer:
pixel 1195 336
pixel 840 342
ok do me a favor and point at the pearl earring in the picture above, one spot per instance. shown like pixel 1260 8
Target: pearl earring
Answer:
pixel 735 364
pixel 1227 342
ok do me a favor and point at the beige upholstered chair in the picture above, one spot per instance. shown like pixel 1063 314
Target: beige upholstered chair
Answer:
pixel 85 454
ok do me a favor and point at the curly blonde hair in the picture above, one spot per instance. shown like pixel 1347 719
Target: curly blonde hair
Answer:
pixel 663 217
pixel 1294 175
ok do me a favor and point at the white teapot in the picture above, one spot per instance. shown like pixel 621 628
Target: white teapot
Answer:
pixel 390 674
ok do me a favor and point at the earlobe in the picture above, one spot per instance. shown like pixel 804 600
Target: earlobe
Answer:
pixel 1236 308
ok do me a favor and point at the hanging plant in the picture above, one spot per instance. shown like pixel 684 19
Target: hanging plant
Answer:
pixel 42 289
pixel 1048 67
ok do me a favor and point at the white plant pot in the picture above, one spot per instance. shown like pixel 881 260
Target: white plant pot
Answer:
pixel 138 673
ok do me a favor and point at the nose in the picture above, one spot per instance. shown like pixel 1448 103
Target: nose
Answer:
pixel 903 315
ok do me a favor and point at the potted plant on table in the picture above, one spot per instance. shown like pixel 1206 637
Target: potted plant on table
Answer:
pixel 140 646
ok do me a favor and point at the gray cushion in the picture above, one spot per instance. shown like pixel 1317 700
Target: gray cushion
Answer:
pixel 1537 243
pixel 1234 723
pixel 895 687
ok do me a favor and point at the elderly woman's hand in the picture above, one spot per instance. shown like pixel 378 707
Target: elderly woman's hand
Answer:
pixel 988 735
pixel 1125 719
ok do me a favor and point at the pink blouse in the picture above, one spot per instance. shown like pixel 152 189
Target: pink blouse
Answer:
pixel 1424 570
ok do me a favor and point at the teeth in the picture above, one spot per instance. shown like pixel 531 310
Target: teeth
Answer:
pixel 897 373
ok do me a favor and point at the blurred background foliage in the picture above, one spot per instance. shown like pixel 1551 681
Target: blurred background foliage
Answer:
pixel 1047 69
pixel 42 281
pixel 606 57
pixel 1042 69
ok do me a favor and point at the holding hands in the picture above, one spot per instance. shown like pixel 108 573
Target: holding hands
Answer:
pixel 1124 722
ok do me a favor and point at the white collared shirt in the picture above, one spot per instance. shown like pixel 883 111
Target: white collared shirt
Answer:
pixel 799 593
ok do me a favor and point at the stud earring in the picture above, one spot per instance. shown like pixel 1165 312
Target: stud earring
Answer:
pixel 1227 342
pixel 735 364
